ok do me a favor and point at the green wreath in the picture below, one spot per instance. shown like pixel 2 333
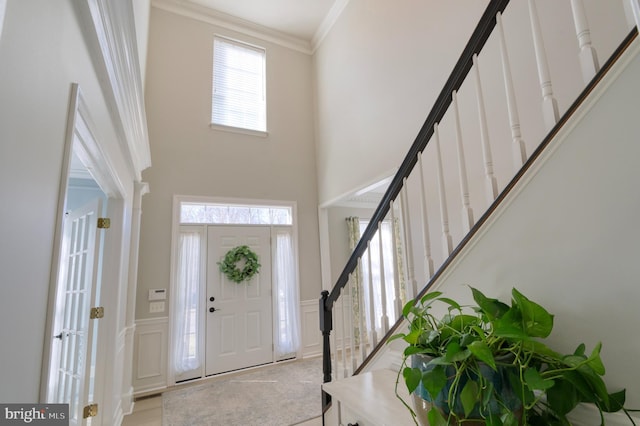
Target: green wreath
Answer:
pixel 235 255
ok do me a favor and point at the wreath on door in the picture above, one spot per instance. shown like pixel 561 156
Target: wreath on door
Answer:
pixel 229 265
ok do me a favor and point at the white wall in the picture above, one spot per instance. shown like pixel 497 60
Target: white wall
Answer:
pixel 190 158
pixel 377 74
pixel 339 250
pixel 380 69
pixel 43 50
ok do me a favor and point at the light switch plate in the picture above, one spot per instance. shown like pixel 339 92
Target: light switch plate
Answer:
pixel 155 307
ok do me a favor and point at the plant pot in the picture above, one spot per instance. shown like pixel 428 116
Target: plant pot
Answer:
pixel 423 401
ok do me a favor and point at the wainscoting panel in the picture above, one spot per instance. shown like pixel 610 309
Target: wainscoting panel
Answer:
pixel 310 321
pixel 150 355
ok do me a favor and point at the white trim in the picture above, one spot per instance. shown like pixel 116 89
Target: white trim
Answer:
pixel 80 138
pixel 390 174
pixel 91 153
pixel 240 130
pixel 311 342
pixel 213 17
pixel 175 230
pixel 150 382
pixel 327 23
pixel 115 37
pixel 3 8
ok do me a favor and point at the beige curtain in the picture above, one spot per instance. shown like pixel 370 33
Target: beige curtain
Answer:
pixel 355 279
pixel 400 261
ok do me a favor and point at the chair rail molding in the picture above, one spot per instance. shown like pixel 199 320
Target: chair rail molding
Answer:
pixel 119 68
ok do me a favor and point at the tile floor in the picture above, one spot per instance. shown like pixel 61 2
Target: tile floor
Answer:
pixel 148 412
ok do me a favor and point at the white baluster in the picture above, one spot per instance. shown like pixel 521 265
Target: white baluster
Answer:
pixel 397 301
pixel 361 313
pixel 334 344
pixel 519 151
pixel 426 238
pixel 635 9
pixel 549 104
pixel 351 325
pixel 408 238
pixel 587 55
pixel 383 284
pixel 447 243
pixel 345 372
pixel 372 314
pixel 467 212
pixel 490 180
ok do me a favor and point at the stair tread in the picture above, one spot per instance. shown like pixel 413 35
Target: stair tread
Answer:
pixel 371 396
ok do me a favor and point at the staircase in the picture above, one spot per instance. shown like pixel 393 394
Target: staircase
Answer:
pixel 534 211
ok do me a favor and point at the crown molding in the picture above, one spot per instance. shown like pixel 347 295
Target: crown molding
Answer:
pixel 327 23
pixel 229 22
pixel 115 36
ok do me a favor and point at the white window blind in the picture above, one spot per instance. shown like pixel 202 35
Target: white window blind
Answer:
pixel 239 93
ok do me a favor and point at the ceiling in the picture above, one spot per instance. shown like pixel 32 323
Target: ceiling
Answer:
pixel 298 18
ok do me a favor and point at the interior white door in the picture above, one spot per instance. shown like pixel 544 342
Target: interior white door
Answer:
pixel 74 342
pixel 239 326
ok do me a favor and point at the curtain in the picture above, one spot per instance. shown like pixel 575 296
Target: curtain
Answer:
pixel 355 279
pixel 287 340
pixel 400 261
pixel 388 244
pixel 186 354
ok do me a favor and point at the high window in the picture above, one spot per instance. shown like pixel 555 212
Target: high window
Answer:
pixel 239 92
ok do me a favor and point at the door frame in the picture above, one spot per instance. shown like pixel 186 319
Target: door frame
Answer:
pixel 175 230
pixel 81 140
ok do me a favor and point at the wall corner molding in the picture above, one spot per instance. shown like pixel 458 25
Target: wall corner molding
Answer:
pixel 114 26
pixel 203 14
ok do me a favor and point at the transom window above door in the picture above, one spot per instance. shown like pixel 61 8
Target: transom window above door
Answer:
pixel 239 100
pixel 236 214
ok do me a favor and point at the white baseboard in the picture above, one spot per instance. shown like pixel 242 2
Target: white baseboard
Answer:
pixel 587 414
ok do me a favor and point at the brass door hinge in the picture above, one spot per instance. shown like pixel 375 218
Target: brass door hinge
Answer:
pixel 90 410
pixel 104 223
pixel 96 313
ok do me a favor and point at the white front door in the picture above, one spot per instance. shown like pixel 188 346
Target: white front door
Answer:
pixel 73 345
pixel 239 325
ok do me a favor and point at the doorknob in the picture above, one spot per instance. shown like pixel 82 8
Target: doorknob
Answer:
pixel 58 336
pixel 212 309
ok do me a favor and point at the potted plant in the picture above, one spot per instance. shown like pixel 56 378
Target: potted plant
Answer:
pixel 487 365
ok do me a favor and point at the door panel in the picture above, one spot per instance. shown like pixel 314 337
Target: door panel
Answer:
pixel 73 348
pixel 239 330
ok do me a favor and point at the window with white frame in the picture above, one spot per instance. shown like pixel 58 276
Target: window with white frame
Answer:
pixel 239 85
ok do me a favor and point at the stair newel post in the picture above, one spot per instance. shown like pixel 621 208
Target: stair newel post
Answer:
pixel 519 152
pixel 408 239
pixel 588 57
pixel 426 238
pixel 490 179
pixel 549 104
pixel 467 211
pixel 326 324
pixel 383 284
pixel 447 242
pixel 372 317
